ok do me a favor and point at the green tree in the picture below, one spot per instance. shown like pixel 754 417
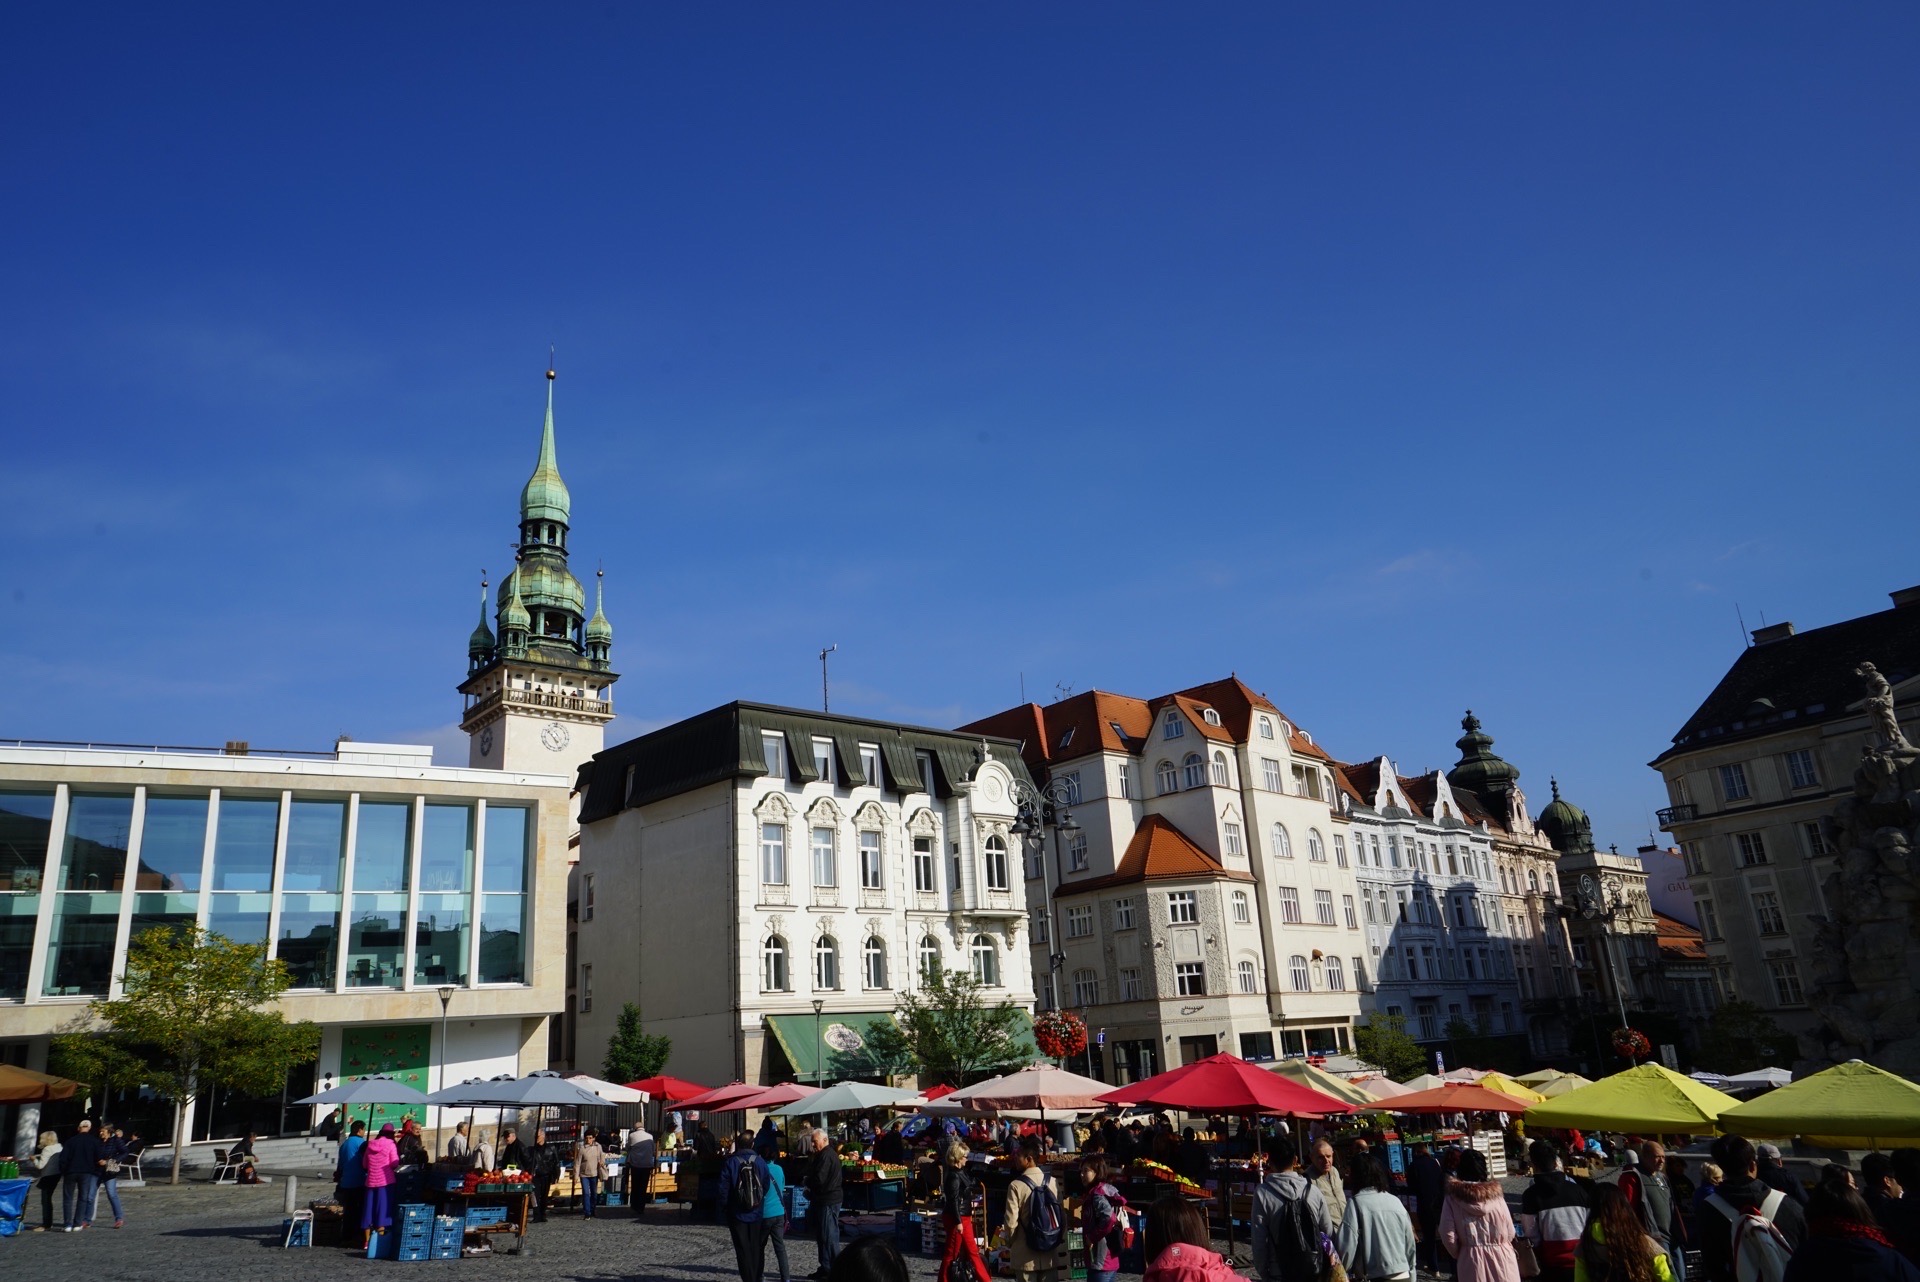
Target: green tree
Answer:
pixel 947 1031
pixel 1741 1037
pixel 83 1055
pixel 196 1011
pixel 1383 1041
pixel 632 1052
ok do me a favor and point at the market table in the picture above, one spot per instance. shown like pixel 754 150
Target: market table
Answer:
pixel 515 1199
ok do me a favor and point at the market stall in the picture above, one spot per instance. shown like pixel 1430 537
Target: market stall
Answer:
pixel 1851 1105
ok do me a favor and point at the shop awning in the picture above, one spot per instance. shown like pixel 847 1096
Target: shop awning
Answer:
pixel 841 1038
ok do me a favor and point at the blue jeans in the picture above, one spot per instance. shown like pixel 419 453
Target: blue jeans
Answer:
pixel 826 1232
pixel 111 1186
pixel 1103 1275
pixel 589 1185
pixel 1677 1258
pixel 77 1192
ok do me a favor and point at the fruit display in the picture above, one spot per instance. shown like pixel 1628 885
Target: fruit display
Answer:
pixel 1166 1174
pixel 861 1170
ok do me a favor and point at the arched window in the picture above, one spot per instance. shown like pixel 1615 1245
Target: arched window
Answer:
pixel 773 970
pixel 1249 977
pixel 1533 880
pixel 1336 978
pixel 1220 768
pixel 986 962
pixel 1194 770
pixel 1297 970
pixel 1266 728
pixel 874 959
pixel 998 875
pixel 1169 778
pixel 1210 716
pixel 826 964
pixel 1316 849
pixel 1241 910
pixel 1282 844
pixel 930 966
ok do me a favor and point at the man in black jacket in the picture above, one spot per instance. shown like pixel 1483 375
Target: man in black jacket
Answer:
pixel 824 1196
pixel 1427 1181
pixel 1774 1173
pixel 1744 1190
pixel 81 1158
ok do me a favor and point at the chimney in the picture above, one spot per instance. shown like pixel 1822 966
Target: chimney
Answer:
pixel 1905 597
pixel 236 748
pixel 1772 632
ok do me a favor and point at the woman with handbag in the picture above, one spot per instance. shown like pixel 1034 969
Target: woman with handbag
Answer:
pixel 46 1162
pixel 1103 1218
pixel 961 1261
pixel 114 1154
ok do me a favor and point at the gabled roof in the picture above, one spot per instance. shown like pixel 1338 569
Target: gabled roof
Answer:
pixel 1805 676
pixel 1159 851
pixel 1092 721
pixel 1236 701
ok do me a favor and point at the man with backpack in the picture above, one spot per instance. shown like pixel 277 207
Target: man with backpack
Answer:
pixel 1289 1219
pixel 1748 1230
pixel 1033 1227
pixel 744 1180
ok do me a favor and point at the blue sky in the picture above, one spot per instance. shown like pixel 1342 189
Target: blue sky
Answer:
pixel 1401 359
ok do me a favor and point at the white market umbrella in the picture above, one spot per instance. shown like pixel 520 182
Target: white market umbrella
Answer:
pixel 1758 1079
pixel 845 1097
pixel 368 1091
pixel 1425 1082
pixel 611 1092
pixel 1044 1087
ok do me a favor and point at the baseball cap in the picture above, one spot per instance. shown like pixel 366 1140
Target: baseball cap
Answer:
pixel 1768 1150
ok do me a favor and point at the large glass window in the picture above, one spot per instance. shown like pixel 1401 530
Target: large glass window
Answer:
pixel 245 834
pixel 999 874
pixel 310 891
pixel 26 830
pixel 93 864
pixel 503 898
pixel 986 962
pixel 376 936
pixel 824 872
pixel 773 854
pixel 173 843
pixel 446 884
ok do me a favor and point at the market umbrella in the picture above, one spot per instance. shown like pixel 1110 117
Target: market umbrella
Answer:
pixel 939 1091
pixel 535 1090
pixel 368 1091
pixel 1380 1086
pixel 1649 1097
pixel 24 1086
pixel 1758 1079
pixel 1425 1082
pixel 844 1097
pixel 1041 1086
pixel 1465 1074
pixel 1507 1086
pixel 611 1092
pixel 1716 1080
pixel 1227 1084
pixel 668 1090
pixel 1319 1079
pixel 1851 1105
pixel 1457 1097
pixel 1555 1087
pixel 1538 1076
pixel 774 1096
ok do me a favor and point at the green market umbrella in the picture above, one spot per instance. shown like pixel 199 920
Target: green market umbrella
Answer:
pixel 1851 1105
pixel 1648 1098
pixel 845 1097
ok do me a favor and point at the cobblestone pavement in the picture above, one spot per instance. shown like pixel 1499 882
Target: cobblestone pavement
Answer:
pixel 201 1231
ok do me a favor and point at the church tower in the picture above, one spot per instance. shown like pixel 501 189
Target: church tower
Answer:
pixel 539 687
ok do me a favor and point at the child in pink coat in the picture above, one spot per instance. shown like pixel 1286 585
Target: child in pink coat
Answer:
pixel 381 1155
pixel 1475 1225
pixel 1177 1246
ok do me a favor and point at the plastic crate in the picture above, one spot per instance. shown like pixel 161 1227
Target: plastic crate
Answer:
pixel 480 1217
pixel 383 1246
pixel 445 1252
pixel 412 1254
pixel 415 1213
pixel 933 1237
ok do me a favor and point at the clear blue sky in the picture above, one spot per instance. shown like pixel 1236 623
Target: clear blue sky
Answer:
pixel 1402 359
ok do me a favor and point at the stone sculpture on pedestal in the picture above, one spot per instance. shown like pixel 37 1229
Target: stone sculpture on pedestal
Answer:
pixel 1867 952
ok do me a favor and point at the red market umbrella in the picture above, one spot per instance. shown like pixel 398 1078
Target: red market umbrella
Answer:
pixel 721 1098
pixel 671 1090
pixel 1228 1084
pixel 1457 1098
pixel 939 1092
pixel 773 1096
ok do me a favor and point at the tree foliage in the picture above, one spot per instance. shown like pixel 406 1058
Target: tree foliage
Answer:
pixel 948 1032
pixel 1383 1041
pixel 632 1052
pixel 196 1011
pixel 1741 1037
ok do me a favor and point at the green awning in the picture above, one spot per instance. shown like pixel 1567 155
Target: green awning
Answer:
pixel 1025 1050
pixel 841 1035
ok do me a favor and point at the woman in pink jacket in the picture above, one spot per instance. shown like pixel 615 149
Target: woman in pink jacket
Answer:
pixel 1177 1245
pixel 1475 1225
pixel 381 1155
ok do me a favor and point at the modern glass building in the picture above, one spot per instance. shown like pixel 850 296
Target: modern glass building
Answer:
pixel 379 879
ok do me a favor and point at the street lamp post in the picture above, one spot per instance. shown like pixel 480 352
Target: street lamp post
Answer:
pixel 446 999
pixel 1034 804
pixel 819 1047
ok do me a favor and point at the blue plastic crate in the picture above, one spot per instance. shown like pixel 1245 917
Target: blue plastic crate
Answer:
pixel 416 1213
pixel 483 1216
pixel 412 1254
pixel 383 1246
pixel 445 1252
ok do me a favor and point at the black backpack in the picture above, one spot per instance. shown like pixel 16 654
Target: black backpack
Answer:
pixel 1294 1240
pixel 749 1188
pixel 1045 1225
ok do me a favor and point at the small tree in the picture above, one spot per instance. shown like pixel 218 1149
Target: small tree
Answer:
pixel 1741 1037
pixel 948 1031
pixel 632 1052
pixel 195 1013
pixel 1383 1040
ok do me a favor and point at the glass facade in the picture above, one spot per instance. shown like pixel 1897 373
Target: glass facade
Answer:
pixel 408 895
pixel 26 831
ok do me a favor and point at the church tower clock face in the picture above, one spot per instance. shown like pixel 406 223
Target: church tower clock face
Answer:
pixel 554 736
pixel 486 742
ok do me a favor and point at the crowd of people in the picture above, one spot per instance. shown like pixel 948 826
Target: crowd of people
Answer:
pixel 84 1167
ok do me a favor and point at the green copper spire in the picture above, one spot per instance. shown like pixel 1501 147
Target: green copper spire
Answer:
pixel 598 629
pixel 545 497
pixel 1480 770
pixel 514 620
pixel 480 644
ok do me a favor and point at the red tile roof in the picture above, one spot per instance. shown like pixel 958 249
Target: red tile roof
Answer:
pixel 1677 940
pixel 1159 851
pixel 1091 717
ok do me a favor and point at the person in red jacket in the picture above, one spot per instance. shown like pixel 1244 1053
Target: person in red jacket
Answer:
pixel 1177 1246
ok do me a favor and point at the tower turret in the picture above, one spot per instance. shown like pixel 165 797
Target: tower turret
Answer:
pixel 480 645
pixel 599 631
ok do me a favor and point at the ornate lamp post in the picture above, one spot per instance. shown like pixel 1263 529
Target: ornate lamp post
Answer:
pixel 819 1052
pixel 1034 805
pixel 446 999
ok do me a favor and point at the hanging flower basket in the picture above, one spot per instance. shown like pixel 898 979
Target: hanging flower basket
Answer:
pixel 1060 1033
pixel 1631 1043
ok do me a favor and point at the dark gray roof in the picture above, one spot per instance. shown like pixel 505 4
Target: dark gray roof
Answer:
pixel 1808 676
pixel 725 743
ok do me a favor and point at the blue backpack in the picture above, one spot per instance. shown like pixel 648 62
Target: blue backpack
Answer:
pixel 1046 1227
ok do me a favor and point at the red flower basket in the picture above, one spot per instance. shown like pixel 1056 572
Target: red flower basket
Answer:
pixel 1631 1043
pixel 1060 1033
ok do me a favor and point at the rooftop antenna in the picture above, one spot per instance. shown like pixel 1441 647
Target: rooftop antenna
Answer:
pixel 824 705
pixel 1064 689
pixel 1745 639
pixel 1023 689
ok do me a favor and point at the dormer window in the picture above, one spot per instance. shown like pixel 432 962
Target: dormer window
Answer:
pixel 1066 737
pixel 1174 727
pixel 1211 717
pixel 1118 733
pixel 1266 728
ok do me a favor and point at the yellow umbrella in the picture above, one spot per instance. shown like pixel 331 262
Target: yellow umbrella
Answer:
pixel 1538 1076
pixel 1326 1083
pixel 23 1085
pixel 1646 1098
pixel 1558 1086
pixel 1510 1086
pixel 1851 1105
